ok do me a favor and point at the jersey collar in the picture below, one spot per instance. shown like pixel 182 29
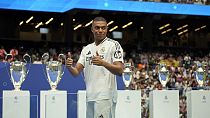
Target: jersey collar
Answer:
pixel 101 41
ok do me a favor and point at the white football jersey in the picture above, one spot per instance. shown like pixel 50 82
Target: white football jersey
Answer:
pixel 100 82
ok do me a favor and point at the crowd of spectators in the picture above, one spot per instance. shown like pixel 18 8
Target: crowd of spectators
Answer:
pixel 181 65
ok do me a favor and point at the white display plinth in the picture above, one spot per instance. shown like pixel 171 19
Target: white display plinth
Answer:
pixel 164 104
pixel 198 103
pixel 16 104
pixel 53 104
pixel 128 104
pixel 81 104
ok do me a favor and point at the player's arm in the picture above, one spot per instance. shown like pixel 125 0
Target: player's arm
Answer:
pixel 115 67
pixel 74 70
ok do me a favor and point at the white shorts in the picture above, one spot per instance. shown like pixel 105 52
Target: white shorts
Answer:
pixel 101 109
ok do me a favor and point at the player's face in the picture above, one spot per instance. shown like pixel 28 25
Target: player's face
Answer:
pixel 99 29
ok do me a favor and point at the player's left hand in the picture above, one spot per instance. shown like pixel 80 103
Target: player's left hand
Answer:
pixel 97 60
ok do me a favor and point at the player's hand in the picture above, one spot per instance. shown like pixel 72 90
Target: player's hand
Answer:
pixel 97 60
pixel 69 60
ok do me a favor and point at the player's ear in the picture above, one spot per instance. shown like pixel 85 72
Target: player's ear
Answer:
pixel 91 28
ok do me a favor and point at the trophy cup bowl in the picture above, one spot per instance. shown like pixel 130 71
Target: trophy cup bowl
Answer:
pixel 163 75
pixel 199 76
pixel 54 70
pixel 127 74
pixel 19 71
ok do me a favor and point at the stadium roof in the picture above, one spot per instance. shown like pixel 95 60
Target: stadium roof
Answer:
pixel 113 5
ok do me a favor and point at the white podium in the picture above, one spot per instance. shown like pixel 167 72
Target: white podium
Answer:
pixel 198 103
pixel 164 104
pixel 128 104
pixel 81 104
pixel 53 104
pixel 16 104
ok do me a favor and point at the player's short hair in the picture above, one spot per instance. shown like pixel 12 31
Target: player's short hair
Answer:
pixel 99 19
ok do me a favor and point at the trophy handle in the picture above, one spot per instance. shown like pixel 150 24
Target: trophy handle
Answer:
pixel 8 63
pixel 8 56
pixel 62 57
pixel 45 58
pixel 27 59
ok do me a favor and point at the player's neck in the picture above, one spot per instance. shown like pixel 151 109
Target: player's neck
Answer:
pixel 97 42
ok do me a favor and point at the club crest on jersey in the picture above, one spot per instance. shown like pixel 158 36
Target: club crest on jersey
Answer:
pixel 102 50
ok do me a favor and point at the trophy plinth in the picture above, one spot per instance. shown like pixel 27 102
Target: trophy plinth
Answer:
pixel 16 104
pixel 127 75
pixel 54 70
pixel 163 76
pixel 18 72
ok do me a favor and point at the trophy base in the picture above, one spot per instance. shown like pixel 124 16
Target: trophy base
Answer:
pixel 164 88
pixel 200 87
pixel 126 88
pixel 17 88
pixel 53 89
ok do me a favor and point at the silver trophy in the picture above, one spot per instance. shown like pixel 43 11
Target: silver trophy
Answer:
pixel 200 75
pixel 18 70
pixel 54 70
pixel 127 74
pixel 163 75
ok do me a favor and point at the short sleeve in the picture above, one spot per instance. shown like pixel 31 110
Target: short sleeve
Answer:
pixel 117 52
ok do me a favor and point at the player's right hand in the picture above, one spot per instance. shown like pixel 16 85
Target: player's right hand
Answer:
pixel 69 61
